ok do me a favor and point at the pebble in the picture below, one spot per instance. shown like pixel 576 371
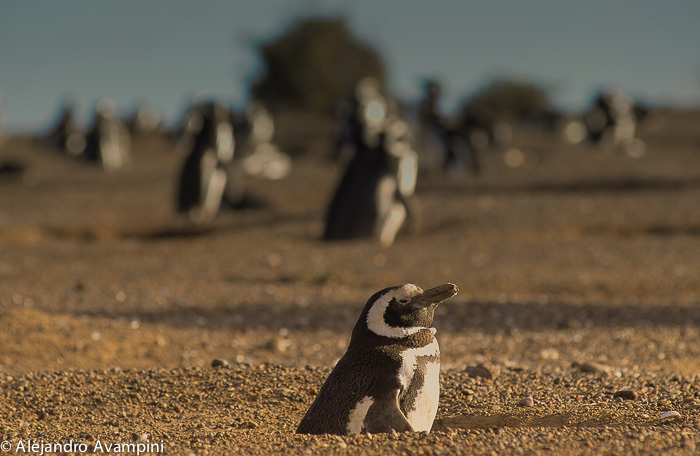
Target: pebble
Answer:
pixel 250 424
pixel 284 392
pixel 142 438
pixel 279 344
pixel 591 367
pixel 219 363
pixel 527 401
pixel 671 414
pixel 629 395
pixel 479 371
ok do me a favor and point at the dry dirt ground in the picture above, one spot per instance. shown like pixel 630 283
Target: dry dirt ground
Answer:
pixel 579 276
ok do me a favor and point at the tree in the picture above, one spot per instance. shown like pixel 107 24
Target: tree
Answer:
pixel 312 64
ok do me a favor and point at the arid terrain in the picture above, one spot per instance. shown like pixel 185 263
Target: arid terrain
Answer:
pixel 576 329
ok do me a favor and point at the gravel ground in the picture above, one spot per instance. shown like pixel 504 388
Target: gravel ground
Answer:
pixel 577 327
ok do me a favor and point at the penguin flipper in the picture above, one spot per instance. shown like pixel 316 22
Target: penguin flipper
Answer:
pixel 385 415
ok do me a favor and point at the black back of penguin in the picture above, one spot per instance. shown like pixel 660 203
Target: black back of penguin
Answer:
pixel 366 391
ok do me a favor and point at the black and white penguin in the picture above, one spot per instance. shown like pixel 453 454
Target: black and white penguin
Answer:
pixel 108 141
pixel 375 197
pixel 64 135
pixel 209 175
pixel 389 376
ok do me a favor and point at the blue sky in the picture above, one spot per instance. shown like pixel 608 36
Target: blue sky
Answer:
pixel 162 52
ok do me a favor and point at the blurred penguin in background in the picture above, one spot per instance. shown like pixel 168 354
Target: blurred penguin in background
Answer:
pixel 107 141
pixel 259 155
pixel 64 134
pixel 439 144
pixel 351 132
pixel 143 120
pixel 613 118
pixel 209 174
pixel 375 197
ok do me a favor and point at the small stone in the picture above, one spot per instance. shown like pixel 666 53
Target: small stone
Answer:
pixel 219 363
pixel 283 392
pixel 591 367
pixel 139 438
pixel 671 414
pixel 479 371
pixel 527 401
pixel 279 344
pixel 629 395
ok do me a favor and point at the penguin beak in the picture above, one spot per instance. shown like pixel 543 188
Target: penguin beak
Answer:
pixel 435 296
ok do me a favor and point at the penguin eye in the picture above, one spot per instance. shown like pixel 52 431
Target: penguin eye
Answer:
pixel 404 301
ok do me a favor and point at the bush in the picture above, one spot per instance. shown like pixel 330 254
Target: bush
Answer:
pixel 506 99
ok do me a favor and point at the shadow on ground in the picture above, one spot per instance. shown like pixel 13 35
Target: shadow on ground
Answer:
pixel 485 316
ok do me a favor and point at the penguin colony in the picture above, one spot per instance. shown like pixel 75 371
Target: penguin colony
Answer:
pixel 388 378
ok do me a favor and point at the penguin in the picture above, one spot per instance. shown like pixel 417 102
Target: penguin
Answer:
pixel 388 379
pixel 108 141
pixel 64 135
pixel 209 174
pixel 375 197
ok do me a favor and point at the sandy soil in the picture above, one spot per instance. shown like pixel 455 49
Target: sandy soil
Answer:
pixel 579 280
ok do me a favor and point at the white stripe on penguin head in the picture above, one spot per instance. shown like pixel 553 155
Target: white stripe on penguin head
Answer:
pixel 375 316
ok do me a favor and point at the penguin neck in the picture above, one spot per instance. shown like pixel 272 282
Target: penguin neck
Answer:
pixel 420 338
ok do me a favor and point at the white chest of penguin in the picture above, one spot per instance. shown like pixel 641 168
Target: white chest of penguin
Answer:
pixel 420 385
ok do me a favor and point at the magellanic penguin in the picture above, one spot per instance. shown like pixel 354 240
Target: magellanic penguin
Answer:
pixel 389 376
pixel 108 141
pixel 206 177
pixel 375 197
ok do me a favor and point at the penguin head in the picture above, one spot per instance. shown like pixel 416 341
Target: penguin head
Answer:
pixel 403 310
